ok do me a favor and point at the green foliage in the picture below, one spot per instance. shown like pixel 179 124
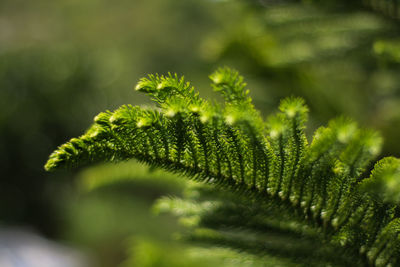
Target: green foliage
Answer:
pixel 268 231
pixel 148 253
pixel 114 202
pixel 390 8
pixel 36 114
pixel 341 51
pixel 319 185
pixel 54 58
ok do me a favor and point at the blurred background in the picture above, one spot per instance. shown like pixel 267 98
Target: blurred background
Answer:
pixel 62 62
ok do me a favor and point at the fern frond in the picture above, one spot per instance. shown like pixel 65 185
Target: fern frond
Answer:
pixel 233 147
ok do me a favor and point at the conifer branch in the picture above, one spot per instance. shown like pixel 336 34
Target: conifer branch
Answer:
pixel 233 147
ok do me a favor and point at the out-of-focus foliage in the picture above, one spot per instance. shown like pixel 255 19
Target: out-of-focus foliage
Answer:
pixel 109 213
pixel 63 61
pixel 41 92
pixel 343 59
pixel 150 253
